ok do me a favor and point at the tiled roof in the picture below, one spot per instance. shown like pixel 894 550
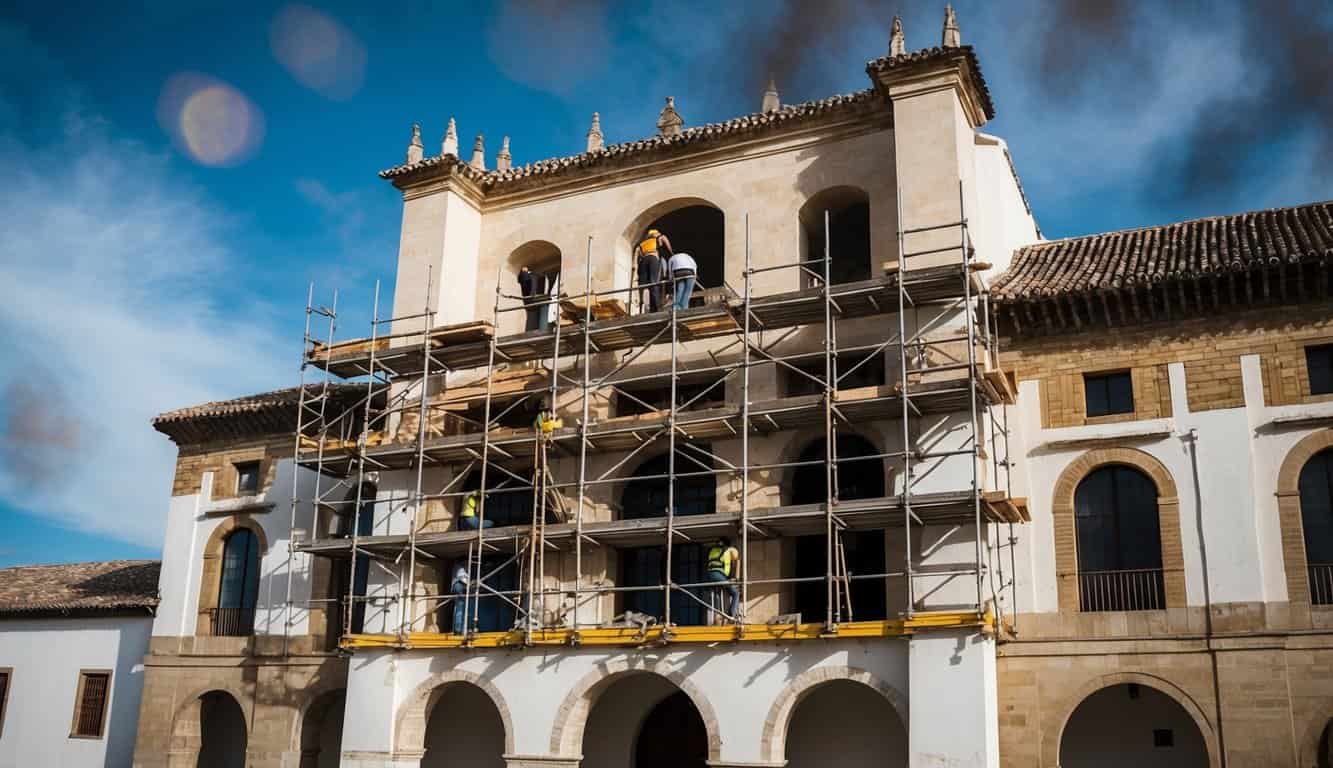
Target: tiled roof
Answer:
pixel 1275 245
pixel 932 55
pixel 79 589
pixel 267 413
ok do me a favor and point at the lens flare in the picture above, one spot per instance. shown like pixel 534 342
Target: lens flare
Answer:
pixel 318 52
pixel 211 121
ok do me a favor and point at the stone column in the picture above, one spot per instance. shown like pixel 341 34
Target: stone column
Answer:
pixel 954 715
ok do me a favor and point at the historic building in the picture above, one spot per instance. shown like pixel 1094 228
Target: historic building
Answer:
pixel 982 499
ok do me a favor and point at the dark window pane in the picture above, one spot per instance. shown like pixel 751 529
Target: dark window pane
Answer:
pixel 247 477
pixel 1118 540
pixel 1319 362
pixel 647 495
pixel 1109 393
pixel 1316 488
pixel 239 590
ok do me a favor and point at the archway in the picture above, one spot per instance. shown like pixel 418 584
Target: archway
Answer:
pixel 1316 494
pixel 222 734
pixel 859 476
pixel 463 728
pixel 642 720
pixel 847 723
pixel 1324 751
pixel 848 234
pixel 645 495
pixel 543 262
pixel 1119 541
pixel 695 227
pixel 1131 724
pixel 322 731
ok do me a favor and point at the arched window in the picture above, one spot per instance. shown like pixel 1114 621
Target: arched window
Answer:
pixel 848 210
pixel 646 495
pixel 364 522
pixel 507 502
pixel 1119 541
pixel 239 590
pixel 692 226
pixel 1316 486
pixel 539 283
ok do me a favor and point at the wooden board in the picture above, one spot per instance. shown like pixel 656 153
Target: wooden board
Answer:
pixel 575 310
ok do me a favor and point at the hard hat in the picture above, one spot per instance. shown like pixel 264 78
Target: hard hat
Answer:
pixel 654 232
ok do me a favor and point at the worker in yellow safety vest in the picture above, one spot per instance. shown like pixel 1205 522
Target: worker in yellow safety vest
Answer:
pixel 467 519
pixel 650 254
pixel 724 562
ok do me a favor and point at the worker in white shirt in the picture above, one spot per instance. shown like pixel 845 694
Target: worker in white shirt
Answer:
pixel 683 271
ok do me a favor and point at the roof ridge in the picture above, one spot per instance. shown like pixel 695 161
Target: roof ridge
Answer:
pixel 133 561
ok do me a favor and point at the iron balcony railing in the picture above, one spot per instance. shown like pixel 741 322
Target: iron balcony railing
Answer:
pixel 1133 590
pixel 233 622
pixel 1321 583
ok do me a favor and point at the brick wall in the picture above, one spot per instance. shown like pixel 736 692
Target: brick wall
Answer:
pixel 221 457
pixel 1210 348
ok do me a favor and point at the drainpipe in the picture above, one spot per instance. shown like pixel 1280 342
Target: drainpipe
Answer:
pixel 1192 437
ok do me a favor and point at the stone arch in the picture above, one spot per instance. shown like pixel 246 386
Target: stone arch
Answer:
pixel 187 723
pixel 1308 747
pixel 633 219
pixel 1168 517
pixel 803 439
pixel 1289 512
pixel 838 200
pixel 310 722
pixel 772 742
pixel 1057 719
pixel 319 688
pixel 572 715
pixel 410 725
pixel 210 581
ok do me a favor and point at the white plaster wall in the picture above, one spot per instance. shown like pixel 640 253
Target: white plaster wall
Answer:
pixel 1002 222
pixel 46 656
pixel 191 521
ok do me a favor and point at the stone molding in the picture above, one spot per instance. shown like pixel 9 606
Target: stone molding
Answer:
pixel 572 715
pixel 1057 719
pixel 410 725
pixel 210 581
pixel 187 726
pixel 1289 512
pixel 1168 521
pixel 773 741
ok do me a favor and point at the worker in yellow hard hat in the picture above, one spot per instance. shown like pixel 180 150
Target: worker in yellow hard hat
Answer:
pixel 650 254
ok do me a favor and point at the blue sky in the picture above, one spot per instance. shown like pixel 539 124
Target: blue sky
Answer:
pixel 138 275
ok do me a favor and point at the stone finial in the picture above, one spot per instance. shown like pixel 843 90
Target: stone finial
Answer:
pixel 669 122
pixel 450 145
pixel 952 37
pixel 595 139
pixel 503 160
pixel 897 41
pixel 771 102
pixel 478 160
pixel 414 149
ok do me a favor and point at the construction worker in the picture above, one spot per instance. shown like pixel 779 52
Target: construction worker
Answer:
pixel 531 285
pixel 683 270
pixel 467 520
pixel 723 564
pixel 459 590
pixel 650 254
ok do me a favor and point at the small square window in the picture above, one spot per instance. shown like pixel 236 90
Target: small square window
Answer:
pixel 1319 364
pixel 1109 393
pixel 1163 737
pixel 90 704
pixel 247 477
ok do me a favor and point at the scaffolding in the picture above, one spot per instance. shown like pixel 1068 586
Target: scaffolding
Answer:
pixel 408 374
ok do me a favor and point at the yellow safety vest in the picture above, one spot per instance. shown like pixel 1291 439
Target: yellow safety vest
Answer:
pixel 719 559
pixel 649 245
pixel 470 505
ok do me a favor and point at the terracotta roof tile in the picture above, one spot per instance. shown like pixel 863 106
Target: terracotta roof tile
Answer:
pixel 267 413
pixel 79 589
pixel 931 55
pixel 1155 255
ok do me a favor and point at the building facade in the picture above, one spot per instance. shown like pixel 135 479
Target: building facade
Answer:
pixel 993 501
pixel 72 644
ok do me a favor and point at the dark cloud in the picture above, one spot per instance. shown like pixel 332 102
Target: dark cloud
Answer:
pixel 39 434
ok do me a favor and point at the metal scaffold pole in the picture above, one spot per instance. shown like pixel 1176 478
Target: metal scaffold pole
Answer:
pixel 830 449
pixel 671 463
pixel 745 435
pixel 472 603
pixel 585 396
pixel 906 413
pixel 406 610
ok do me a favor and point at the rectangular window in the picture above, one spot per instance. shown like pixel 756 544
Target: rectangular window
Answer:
pixel 247 477
pixel 854 371
pixel 90 704
pixel 1109 393
pixel 4 695
pixel 1319 364
pixel 692 396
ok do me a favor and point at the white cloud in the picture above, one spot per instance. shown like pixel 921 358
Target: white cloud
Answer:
pixel 109 264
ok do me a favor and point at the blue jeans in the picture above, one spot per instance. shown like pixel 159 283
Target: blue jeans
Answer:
pixel 470 523
pixel 734 592
pixel 460 606
pixel 684 289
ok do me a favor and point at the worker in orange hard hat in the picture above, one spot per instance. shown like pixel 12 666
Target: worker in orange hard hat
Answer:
pixel 650 254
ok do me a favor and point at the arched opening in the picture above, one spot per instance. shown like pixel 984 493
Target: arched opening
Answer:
pixel 1119 541
pixel 1131 724
pixel 322 731
pixel 238 591
pixel 355 515
pixel 847 723
pixel 1316 486
pixel 699 230
pixel 848 234
pixel 642 720
pixel 535 267
pixel 222 736
pixel 858 476
pixel 1324 753
pixel 463 728
pixel 694 493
